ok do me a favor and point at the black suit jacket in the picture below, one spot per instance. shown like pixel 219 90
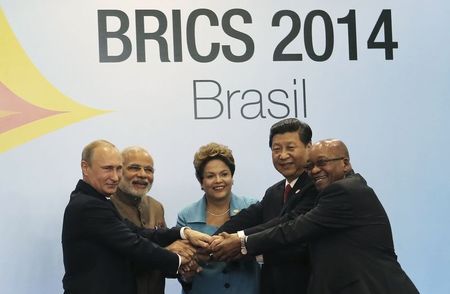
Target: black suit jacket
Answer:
pixel 350 240
pixel 101 250
pixel 286 270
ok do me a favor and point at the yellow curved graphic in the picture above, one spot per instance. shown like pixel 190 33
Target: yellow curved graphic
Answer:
pixel 29 105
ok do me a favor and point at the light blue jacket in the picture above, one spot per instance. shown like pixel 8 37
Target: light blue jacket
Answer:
pixel 220 277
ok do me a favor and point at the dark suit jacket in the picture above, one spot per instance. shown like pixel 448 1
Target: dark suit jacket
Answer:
pixel 286 270
pixel 99 247
pixel 350 240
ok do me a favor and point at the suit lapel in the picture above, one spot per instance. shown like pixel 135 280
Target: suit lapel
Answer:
pixel 303 183
pixel 293 197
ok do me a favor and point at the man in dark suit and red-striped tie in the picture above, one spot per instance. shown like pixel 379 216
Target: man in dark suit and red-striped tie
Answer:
pixel 284 271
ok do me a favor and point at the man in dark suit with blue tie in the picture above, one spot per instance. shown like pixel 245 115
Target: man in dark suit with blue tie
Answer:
pixel 284 271
pixel 348 231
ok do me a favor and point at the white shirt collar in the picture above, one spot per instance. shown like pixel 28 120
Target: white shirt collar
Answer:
pixel 291 183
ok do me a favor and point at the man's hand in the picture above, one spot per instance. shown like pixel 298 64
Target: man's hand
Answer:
pixel 203 255
pixel 188 271
pixel 226 248
pixel 190 266
pixel 183 248
pixel 216 239
pixel 197 238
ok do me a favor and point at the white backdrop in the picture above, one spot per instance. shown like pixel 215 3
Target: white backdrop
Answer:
pixel 391 113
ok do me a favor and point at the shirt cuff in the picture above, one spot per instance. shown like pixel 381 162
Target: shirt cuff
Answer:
pixel 241 234
pixel 179 263
pixel 182 235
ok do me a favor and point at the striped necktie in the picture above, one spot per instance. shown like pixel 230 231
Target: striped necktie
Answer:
pixel 287 190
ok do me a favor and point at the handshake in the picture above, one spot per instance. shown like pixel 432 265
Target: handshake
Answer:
pixel 200 248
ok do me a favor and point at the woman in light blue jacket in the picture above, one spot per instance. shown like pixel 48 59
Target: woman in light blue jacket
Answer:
pixel 214 169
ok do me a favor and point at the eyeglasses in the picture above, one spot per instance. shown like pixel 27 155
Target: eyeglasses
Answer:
pixel 320 162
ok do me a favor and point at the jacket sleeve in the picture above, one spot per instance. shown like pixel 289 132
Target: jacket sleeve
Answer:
pixel 161 236
pixel 305 204
pixel 101 223
pixel 332 212
pixel 247 217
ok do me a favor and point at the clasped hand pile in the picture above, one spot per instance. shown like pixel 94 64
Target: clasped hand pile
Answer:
pixel 200 248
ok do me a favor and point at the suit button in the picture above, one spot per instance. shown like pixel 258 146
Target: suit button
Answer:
pixel 227 285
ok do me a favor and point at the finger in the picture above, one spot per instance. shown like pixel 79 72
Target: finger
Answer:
pixel 199 239
pixel 188 255
pixel 201 243
pixel 215 243
pixel 201 251
pixel 203 257
pixel 224 234
pixel 186 252
pixel 215 237
pixel 206 238
pixel 191 252
pixel 184 260
pixel 189 245
pixel 219 254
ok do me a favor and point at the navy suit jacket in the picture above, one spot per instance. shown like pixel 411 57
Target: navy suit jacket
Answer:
pixel 285 270
pixel 350 241
pixel 101 250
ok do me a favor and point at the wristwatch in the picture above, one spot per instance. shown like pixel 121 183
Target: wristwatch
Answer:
pixel 243 248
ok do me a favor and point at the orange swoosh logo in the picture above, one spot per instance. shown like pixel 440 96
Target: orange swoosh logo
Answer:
pixel 18 112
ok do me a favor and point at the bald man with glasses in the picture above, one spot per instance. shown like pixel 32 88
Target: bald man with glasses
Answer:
pixel 349 233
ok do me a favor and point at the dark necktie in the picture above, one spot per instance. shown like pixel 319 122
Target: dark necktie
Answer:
pixel 287 189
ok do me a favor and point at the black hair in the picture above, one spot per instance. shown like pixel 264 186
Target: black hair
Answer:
pixel 291 125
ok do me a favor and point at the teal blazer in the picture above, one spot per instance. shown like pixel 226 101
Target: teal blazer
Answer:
pixel 221 277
